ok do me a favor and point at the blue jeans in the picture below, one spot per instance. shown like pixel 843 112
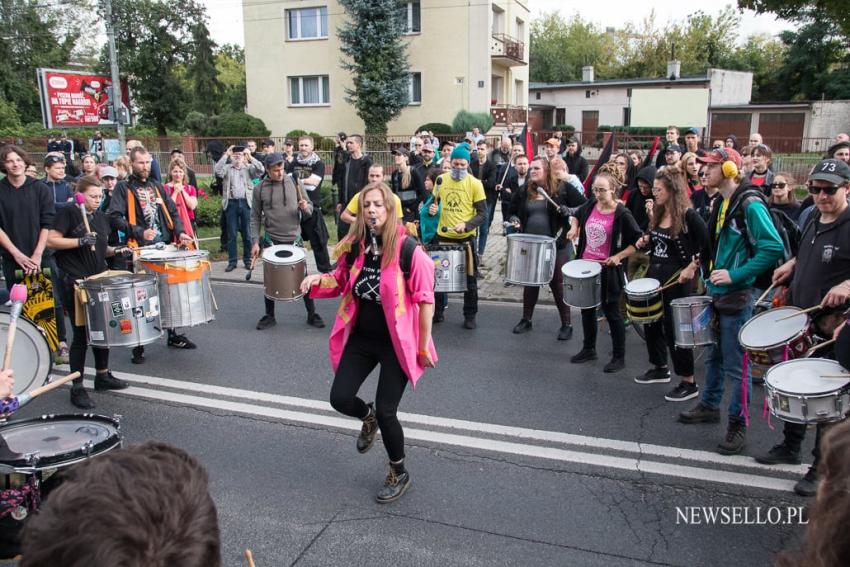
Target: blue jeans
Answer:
pixel 725 362
pixel 238 220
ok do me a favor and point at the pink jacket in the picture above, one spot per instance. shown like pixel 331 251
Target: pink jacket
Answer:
pixel 400 300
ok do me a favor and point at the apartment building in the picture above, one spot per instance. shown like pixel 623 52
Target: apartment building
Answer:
pixel 463 56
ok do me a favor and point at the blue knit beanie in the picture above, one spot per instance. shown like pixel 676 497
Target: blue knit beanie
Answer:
pixel 461 151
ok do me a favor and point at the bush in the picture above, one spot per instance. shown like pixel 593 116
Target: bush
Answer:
pixel 320 143
pixel 465 121
pixel 236 124
pixel 565 128
pixel 208 212
pixel 436 128
pixel 196 123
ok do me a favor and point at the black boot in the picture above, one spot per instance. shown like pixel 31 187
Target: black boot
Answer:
pixel 368 431
pixel 396 484
pixel 80 398
pixel 106 381
pixel 138 355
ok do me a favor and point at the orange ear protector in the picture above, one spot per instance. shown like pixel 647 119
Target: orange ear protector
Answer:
pixel 728 166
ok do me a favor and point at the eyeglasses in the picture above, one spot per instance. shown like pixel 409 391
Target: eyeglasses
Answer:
pixel 778 185
pixel 831 190
pixel 703 173
pixel 599 189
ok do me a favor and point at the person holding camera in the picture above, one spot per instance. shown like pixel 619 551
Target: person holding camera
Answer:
pixel 236 191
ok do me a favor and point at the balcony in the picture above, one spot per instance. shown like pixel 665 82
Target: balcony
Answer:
pixel 506 50
pixel 504 114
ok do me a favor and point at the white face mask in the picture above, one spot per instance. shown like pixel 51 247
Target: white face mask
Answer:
pixel 458 173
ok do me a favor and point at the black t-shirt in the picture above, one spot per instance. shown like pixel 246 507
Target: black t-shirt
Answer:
pixel 81 262
pixel 367 289
pixel 538 217
pixel 24 212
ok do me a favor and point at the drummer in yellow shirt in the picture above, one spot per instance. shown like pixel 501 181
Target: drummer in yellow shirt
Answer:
pixel 463 211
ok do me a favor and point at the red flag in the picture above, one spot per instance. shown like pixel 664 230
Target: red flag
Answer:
pixel 526 141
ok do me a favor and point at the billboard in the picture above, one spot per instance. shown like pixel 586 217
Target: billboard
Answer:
pixel 660 107
pixel 75 99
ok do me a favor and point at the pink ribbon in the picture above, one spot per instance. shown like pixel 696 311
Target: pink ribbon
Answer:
pixel 745 409
pixel 766 414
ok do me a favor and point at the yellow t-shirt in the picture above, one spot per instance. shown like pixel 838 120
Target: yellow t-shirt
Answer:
pixel 354 205
pixel 457 199
pixel 721 216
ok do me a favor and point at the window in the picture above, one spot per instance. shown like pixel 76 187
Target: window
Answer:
pixel 586 94
pixel 520 30
pixel 537 95
pixel 414 88
pixel 412 17
pixel 307 23
pixel 627 116
pixel 498 21
pixel 308 91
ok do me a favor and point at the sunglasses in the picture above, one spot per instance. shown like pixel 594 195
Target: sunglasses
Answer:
pixel 778 185
pixel 831 190
pixel 717 147
pixel 703 173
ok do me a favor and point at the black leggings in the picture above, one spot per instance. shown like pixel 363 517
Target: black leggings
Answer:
pixel 660 336
pixel 530 294
pixel 359 358
pixel 77 354
pixel 611 309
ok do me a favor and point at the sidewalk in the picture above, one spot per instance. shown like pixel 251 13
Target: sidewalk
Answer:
pixel 490 286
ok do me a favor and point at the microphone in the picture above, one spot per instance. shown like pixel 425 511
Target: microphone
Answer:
pixel 437 196
pixel 81 203
pixel 372 223
pixel 18 296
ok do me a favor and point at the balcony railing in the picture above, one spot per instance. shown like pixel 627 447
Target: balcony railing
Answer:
pixel 507 49
pixel 508 114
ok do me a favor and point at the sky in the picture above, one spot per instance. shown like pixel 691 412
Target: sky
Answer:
pixel 226 25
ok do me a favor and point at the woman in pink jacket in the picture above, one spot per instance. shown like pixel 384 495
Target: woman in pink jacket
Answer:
pixel 387 289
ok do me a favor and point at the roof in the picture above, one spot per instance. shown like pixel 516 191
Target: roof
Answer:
pixel 698 79
pixel 762 105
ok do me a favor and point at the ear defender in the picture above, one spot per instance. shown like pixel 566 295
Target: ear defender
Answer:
pixel 728 166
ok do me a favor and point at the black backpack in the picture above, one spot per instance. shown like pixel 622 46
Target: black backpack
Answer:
pixel 785 226
pixel 408 247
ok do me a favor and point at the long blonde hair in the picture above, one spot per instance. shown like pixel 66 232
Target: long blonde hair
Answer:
pixel 359 232
pixel 404 168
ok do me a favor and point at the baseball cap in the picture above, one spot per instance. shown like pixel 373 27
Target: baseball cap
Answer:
pixel 835 147
pixel 274 159
pixel 721 155
pixel 267 142
pixel 108 171
pixel 401 152
pixel 51 159
pixel 428 146
pixel 553 142
pixel 831 170
pixel 673 148
pixel 289 142
pixel 693 131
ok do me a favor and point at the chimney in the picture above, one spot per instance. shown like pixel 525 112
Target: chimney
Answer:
pixel 674 69
pixel 587 74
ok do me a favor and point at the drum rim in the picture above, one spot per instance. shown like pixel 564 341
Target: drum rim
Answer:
pixel 98 283
pixel 689 301
pixel 174 255
pixel 596 270
pixel 531 238
pixel 797 362
pixel 21 386
pixel 765 348
pixel 298 255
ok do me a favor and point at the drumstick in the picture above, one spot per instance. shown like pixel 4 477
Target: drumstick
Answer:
pixel 81 202
pixel 251 268
pixel 250 557
pixel 809 310
pixel 671 284
pixel 14 403
pixel 816 347
pixel 762 296
pixel 18 296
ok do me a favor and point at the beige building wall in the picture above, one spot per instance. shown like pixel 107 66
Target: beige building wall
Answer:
pixel 452 53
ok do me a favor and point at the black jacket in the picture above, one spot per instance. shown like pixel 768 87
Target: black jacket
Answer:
pixel 576 164
pixel 823 260
pixel 117 211
pixel 411 196
pixel 558 224
pixel 624 233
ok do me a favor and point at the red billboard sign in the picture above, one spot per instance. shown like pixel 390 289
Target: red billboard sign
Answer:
pixel 76 99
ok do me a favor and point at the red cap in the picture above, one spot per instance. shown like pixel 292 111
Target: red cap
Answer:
pixel 720 155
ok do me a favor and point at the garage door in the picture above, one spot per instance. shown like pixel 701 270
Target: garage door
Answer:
pixel 783 131
pixel 725 123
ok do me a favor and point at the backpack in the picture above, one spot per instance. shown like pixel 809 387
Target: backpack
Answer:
pixel 789 233
pixel 408 247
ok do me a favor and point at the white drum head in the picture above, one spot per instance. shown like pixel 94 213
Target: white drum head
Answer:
pixel 581 269
pixel 766 330
pixel 805 376
pixel 691 301
pixel 532 238
pixel 31 356
pixel 283 254
pixel 163 253
pixel 643 286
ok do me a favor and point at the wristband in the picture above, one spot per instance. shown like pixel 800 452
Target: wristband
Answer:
pixel 423 353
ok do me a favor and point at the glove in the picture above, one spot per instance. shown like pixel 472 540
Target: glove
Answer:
pixel 564 211
pixel 89 239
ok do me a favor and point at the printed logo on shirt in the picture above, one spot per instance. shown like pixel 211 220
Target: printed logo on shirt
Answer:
pixel 828 252
pixel 596 235
pixel 660 249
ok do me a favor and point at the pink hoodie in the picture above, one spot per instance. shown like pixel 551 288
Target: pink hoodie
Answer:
pixel 399 301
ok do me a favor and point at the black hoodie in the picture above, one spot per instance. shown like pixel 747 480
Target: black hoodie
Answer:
pixel 823 260
pixel 24 212
pixel 576 164
pixel 637 200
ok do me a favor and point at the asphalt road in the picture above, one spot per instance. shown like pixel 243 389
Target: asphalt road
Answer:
pixel 517 456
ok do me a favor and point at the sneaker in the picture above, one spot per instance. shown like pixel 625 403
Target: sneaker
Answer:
pixel 808 485
pixel 654 376
pixel 507 284
pixel 63 355
pixel 180 341
pixel 736 438
pixel 315 320
pixel 469 323
pixel 368 431
pixel 394 487
pixel 439 317
pixel 80 398
pixel 138 355
pixel 565 333
pixel 683 392
pixel 584 355
pixel 780 454
pixel 700 413
pixel 617 363
pixel 107 381
pixel 230 267
pixel 523 326
pixel 265 322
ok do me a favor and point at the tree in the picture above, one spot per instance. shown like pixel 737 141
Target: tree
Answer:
pixel 834 11
pixel 202 72
pixel 816 64
pixel 371 39
pixel 764 56
pixel 230 65
pixel 154 46
pixel 560 47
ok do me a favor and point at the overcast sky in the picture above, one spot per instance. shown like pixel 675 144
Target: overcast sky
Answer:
pixel 226 25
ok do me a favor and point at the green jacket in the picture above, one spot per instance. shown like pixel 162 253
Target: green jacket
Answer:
pixel 730 250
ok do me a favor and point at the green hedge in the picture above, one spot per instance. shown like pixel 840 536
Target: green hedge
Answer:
pixel 436 128
pixel 465 121
pixel 565 127
pixel 209 209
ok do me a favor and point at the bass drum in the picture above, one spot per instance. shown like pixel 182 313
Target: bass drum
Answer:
pixel 31 356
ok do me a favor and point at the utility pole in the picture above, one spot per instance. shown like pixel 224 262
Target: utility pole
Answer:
pixel 117 110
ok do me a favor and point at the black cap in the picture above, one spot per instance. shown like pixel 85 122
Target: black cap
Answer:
pixel 288 142
pixel 835 147
pixel 50 160
pixel 341 135
pixel 831 170
pixel 402 151
pixel 267 143
pixel 693 131
pixel 673 148
pixel 274 159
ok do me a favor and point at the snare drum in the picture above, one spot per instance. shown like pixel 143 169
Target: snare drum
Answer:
pixel 797 391
pixel 449 267
pixel 530 260
pixel 183 285
pixel 30 353
pixel 122 311
pixel 32 450
pixel 769 341
pixel 284 268
pixel 692 321
pixel 582 284
pixel 643 300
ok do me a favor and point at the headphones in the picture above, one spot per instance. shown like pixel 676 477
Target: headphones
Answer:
pixel 728 166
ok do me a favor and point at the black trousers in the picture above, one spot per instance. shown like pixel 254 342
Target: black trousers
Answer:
pixel 530 294
pixel 470 296
pixel 611 309
pixel 359 358
pixel 660 336
pixel 796 432
pixel 79 343
pixel 308 301
pixel 315 231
